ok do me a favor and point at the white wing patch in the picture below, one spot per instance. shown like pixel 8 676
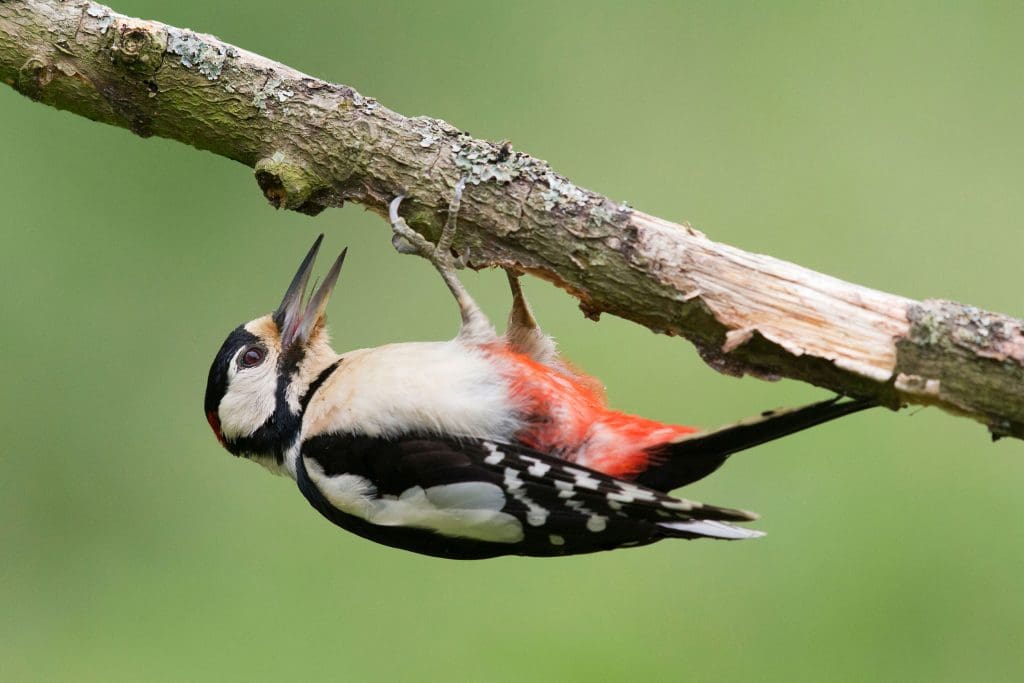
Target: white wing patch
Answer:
pixel 468 495
pixel 348 492
pixel 464 509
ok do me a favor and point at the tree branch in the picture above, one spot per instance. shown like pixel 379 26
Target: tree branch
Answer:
pixel 315 144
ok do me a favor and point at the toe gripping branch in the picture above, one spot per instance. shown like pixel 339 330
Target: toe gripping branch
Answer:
pixel 475 325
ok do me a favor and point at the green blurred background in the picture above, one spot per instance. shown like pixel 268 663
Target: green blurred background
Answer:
pixel 876 143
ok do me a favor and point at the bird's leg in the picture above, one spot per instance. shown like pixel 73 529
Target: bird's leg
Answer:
pixel 475 325
pixel 523 333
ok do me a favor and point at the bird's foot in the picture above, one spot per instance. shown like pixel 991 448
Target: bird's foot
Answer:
pixel 475 324
pixel 408 241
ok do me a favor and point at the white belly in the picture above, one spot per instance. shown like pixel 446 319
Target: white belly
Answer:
pixel 445 388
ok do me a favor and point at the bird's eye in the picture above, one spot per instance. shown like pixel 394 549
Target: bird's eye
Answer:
pixel 252 356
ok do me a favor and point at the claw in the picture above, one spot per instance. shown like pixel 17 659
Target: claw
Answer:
pixel 393 209
pixel 405 240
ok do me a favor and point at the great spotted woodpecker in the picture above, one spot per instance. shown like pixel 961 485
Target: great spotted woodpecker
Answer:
pixel 477 447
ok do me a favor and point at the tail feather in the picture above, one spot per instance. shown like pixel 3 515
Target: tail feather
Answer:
pixel 717 513
pixel 697 455
pixel 702 528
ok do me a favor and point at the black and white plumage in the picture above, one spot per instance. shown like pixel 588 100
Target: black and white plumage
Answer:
pixel 472 498
pixel 432 446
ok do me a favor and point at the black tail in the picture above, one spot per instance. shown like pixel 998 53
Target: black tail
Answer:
pixel 696 456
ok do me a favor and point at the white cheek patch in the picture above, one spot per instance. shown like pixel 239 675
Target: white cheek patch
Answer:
pixel 250 399
pixel 465 509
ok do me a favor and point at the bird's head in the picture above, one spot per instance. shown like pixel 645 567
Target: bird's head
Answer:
pixel 264 369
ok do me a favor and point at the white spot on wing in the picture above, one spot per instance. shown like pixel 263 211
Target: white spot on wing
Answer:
pixel 617 498
pixel 595 522
pixel 565 489
pixel 583 478
pixel 512 480
pixel 538 468
pixel 678 504
pixel 635 491
pixel 556 539
pixel 536 515
pixel 495 456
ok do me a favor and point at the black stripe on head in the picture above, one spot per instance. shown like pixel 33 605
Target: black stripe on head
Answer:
pixel 282 429
pixel 274 437
pixel 318 382
pixel 217 382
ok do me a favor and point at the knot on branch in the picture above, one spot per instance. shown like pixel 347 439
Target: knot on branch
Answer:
pixel 34 75
pixel 289 185
pixel 138 46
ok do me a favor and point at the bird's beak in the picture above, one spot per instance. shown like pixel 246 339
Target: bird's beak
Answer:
pixel 296 321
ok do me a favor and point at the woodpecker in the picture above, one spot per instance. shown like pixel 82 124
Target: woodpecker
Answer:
pixel 482 446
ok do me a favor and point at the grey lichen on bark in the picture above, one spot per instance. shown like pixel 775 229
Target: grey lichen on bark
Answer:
pixel 315 144
pixel 979 356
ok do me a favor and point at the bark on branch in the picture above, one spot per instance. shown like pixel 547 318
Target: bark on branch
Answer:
pixel 315 144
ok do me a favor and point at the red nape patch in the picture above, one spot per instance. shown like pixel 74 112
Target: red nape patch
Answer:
pixel 214 421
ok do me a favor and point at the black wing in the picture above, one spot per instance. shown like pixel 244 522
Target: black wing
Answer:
pixel 469 498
